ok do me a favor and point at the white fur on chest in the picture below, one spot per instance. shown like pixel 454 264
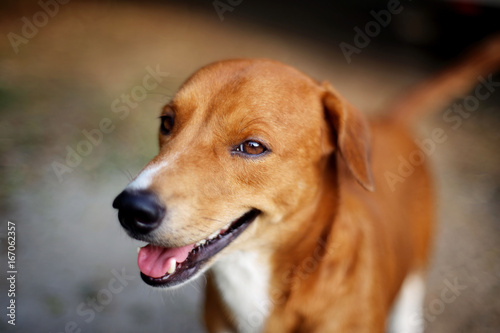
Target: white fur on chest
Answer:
pixel 243 281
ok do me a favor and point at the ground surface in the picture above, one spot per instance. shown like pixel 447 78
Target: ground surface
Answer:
pixel 70 247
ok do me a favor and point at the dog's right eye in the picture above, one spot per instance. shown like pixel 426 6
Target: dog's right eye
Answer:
pixel 251 148
pixel 167 124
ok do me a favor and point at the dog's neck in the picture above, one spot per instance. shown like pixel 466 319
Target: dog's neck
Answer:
pixel 253 284
pixel 310 228
pixel 296 267
pixel 242 279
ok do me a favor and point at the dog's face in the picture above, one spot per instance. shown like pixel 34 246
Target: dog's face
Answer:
pixel 243 146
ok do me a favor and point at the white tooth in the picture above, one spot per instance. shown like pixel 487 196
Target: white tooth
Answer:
pixel 138 249
pixel 215 234
pixel 202 242
pixel 171 269
pixel 226 227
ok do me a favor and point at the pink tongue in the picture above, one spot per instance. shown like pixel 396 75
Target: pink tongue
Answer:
pixel 155 261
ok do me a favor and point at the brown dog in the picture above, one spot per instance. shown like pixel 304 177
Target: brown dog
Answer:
pixel 290 197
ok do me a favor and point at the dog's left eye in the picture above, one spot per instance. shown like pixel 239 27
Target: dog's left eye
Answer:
pixel 167 124
pixel 251 148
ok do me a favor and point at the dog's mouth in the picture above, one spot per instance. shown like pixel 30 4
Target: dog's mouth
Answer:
pixel 167 267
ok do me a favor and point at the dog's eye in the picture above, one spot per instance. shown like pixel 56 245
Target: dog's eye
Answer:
pixel 251 148
pixel 167 124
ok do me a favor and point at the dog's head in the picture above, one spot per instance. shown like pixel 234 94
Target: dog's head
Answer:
pixel 243 145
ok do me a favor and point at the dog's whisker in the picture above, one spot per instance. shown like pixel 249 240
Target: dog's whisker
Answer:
pixel 127 173
pixel 211 219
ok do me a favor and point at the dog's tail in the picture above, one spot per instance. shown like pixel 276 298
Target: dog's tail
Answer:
pixel 454 82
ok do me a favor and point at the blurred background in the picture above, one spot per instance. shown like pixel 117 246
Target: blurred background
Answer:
pixel 82 84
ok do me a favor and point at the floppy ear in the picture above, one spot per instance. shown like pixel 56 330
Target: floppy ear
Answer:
pixel 353 137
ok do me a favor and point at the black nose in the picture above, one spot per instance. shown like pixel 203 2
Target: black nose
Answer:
pixel 139 211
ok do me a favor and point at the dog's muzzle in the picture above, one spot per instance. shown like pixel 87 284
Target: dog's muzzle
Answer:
pixel 139 211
